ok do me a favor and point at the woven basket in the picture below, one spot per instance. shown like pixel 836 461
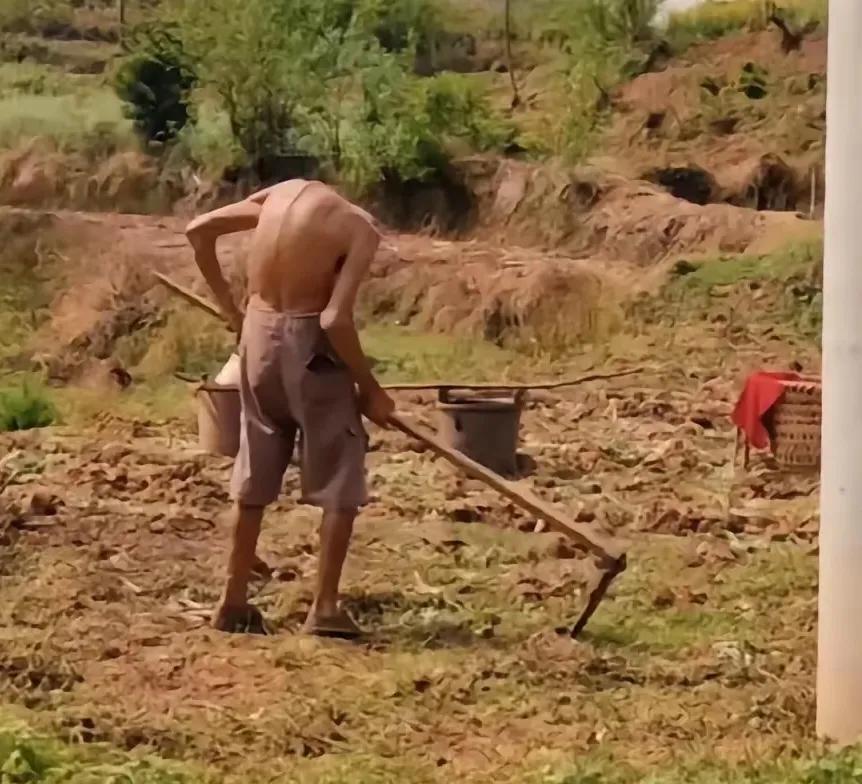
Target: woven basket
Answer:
pixel 794 425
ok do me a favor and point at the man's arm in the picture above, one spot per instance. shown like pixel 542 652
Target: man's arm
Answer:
pixel 338 322
pixel 337 319
pixel 204 231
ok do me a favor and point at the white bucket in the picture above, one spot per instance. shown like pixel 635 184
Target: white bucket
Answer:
pixel 219 410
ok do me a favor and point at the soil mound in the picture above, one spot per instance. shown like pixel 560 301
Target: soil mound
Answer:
pixel 40 175
pixel 741 109
pixel 610 217
pixel 489 293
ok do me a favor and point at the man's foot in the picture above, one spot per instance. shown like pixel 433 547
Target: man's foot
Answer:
pixel 239 620
pixel 337 624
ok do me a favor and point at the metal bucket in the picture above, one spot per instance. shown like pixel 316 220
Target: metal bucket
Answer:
pixel 218 418
pixel 483 426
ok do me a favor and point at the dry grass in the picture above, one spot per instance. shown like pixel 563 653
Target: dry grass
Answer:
pixel 549 310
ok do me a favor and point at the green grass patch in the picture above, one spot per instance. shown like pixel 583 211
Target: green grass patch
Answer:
pixel 77 112
pixel 714 20
pixel 405 355
pixel 25 408
pixel 774 581
pixel 819 767
pixel 189 342
pixel 782 289
pixel 38 79
pixel 91 120
pixel 795 261
pixel 27 757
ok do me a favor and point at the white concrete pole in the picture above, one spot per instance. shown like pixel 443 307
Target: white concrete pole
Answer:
pixel 839 667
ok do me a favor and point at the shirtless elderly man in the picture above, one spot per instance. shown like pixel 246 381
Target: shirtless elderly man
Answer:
pixel 302 371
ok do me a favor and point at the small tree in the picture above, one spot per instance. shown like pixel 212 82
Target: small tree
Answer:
pixel 154 82
pixel 312 77
pixel 255 62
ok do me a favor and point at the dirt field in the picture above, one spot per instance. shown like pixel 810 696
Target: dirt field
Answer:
pixel 686 245
pixel 468 669
pixel 703 657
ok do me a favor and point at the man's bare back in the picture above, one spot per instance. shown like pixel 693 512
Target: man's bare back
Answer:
pixel 303 236
pixel 310 252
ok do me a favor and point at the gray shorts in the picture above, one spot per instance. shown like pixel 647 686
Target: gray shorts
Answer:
pixel 292 382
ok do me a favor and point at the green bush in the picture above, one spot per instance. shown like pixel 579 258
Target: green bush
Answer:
pixel 208 142
pixel 24 409
pixel 154 82
pixel 399 24
pixel 406 126
pixel 311 77
pixel 621 22
pixel 260 63
pixel 604 42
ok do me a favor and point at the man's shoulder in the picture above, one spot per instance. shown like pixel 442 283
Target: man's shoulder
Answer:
pixel 364 219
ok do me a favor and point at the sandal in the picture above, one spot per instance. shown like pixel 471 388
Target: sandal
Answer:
pixel 340 626
pixel 240 620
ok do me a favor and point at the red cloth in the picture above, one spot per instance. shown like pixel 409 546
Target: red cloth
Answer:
pixel 762 391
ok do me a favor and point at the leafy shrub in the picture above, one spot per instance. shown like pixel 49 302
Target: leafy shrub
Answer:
pixel 260 63
pixel 399 24
pixel 311 77
pixel 20 761
pixel 154 82
pixel 406 126
pixel 24 409
pixel 208 142
pixel 620 22
pixel 605 42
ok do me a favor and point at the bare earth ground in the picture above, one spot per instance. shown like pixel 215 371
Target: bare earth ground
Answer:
pixel 113 545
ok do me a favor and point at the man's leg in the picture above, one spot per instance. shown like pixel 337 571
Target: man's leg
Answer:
pixel 335 531
pixel 235 614
pixel 325 616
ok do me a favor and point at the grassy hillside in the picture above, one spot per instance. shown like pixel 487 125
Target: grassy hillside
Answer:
pixel 718 87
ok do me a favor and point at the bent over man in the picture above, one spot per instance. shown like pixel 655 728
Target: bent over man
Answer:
pixel 303 372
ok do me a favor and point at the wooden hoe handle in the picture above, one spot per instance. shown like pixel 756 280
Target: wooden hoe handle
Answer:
pixel 608 552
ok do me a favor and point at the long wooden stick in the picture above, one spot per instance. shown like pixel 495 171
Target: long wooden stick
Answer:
pixel 189 296
pixel 608 551
pixel 504 386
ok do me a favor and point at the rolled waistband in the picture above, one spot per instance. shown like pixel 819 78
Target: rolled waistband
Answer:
pixel 282 314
